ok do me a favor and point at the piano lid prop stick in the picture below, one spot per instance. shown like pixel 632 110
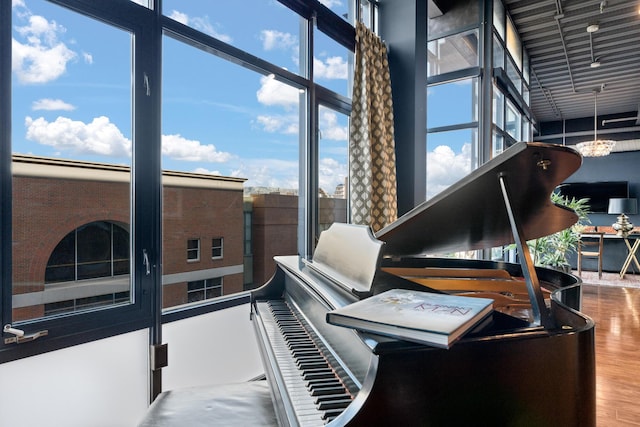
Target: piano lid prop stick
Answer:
pixel 541 314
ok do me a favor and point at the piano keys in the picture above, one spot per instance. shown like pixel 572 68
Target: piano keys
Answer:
pixel 532 364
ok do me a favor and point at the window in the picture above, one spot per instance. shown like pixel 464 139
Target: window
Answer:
pixel 193 250
pixel 70 176
pixel 333 167
pixel 99 249
pixel 200 290
pixel 79 111
pixel 216 248
pixel 453 53
pixel 117 139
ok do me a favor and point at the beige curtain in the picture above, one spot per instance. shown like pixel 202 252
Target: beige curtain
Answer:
pixel 372 148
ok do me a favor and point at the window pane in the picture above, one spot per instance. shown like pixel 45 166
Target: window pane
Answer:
pixel 332 64
pixel 266 29
pixel 513 121
pixel 498 53
pixel 453 53
pixel 333 166
pixel 232 134
pixel 450 157
pixel 514 76
pixel 71 136
pixel 498 107
pixel 513 43
pixel 452 103
pixel 498 17
pixel 498 144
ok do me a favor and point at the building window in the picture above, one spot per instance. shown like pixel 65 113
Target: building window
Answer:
pixel 200 290
pixel 216 248
pixel 69 306
pixel 193 250
pixel 98 249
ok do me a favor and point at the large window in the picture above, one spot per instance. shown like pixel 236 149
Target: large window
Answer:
pixel 452 138
pixel 72 145
pixel 99 249
pixel 333 163
pixel 159 131
pixel 453 53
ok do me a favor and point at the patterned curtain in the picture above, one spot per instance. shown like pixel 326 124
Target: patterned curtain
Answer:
pixel 372 148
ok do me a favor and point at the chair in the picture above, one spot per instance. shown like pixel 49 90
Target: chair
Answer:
pixel 587 246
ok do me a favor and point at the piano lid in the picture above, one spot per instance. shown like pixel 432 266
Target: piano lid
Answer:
pixel 471 214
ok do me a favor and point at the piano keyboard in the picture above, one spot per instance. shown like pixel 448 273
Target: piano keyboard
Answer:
pixel 316 391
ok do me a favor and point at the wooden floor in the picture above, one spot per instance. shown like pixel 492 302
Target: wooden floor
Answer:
pixel 616 312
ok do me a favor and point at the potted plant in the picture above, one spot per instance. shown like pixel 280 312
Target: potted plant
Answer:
pixel 553 250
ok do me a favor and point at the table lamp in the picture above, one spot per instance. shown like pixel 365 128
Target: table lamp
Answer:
pixel 622 207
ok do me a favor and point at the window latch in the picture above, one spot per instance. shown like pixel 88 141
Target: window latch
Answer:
pixel 19 335
pixel 147 265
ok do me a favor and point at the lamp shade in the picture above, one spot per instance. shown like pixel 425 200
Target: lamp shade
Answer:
pixel 623 206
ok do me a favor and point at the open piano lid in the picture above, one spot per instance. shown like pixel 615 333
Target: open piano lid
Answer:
pixel 472 213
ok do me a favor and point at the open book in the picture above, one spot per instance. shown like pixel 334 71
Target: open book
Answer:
pixel 424 317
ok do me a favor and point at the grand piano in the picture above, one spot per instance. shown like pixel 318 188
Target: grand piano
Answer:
pixel 531 364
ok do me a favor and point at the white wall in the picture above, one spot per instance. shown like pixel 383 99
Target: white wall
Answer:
pixel 214 348
pixel 102 383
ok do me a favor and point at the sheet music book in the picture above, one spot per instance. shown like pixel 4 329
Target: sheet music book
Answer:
pixel 424 317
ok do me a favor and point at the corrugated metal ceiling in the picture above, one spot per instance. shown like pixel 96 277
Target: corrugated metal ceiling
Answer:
pixel 561 51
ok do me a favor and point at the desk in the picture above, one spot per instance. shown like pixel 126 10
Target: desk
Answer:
pixel 632 253
pixel 632 249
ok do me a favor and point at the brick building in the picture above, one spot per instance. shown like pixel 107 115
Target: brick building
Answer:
pixel 71 236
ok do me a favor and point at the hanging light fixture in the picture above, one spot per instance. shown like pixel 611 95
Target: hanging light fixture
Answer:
pixel 597 147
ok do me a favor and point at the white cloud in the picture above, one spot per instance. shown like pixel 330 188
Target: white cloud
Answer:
pixel 88 58
pixel 286 124
pixel 268 173
pixel 273 39
pixel 98 137
pixel 180 148
pixel 201 24
pixel 40 57
pixel 331 173
pixel 445 167
pixel 333 67
pixel 181 17
pixel 330 128
pixel 273 92
pixel 331 3
pixel 52 105
pixel 206 171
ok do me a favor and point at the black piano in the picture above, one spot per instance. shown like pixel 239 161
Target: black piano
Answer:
pixel 531 364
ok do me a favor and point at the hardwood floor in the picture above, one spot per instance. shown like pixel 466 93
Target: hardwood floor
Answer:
pixel 616 312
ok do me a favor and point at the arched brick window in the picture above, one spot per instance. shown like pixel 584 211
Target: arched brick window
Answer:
pixel 97 249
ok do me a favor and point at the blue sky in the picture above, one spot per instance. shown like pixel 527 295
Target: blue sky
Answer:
pixel 72 97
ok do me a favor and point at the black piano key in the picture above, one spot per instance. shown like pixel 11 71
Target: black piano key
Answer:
pixel 330 414
pixel 323 382
pixel 326 391
pixel 334 404
pixel 318 375
pixel 304 352
pixel 312 365
pixel 330 397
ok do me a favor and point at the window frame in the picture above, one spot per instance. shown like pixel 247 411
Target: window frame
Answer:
pixel 219 247
pixel 86 326
pixel 207 284
pixel 191 250
pixel 147 27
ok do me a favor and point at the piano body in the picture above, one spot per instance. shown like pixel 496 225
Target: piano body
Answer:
pixel 532 364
